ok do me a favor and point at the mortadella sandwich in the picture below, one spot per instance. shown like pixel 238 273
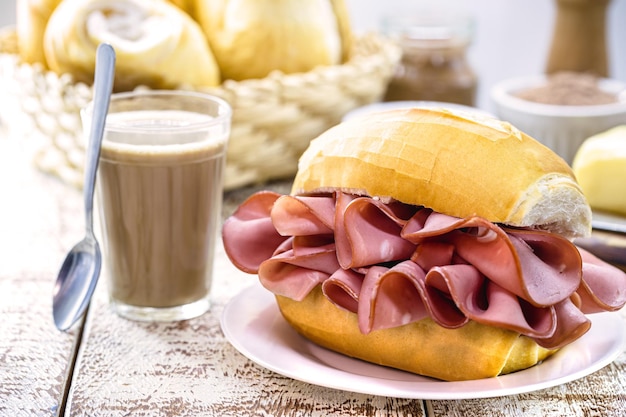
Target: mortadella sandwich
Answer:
pixel 430 241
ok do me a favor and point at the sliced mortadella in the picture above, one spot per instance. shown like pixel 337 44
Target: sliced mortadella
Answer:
pixel 391 297
pixel 370 232
pixel 571 325
pixel 295 275
pixel 477 241
pixel 551 265
pixel 431 254
pixel 344 252
pixel 300 216
pixel 548 273
pixel 249 236
pixel 483 301
pixel 603 286
pixel 343 287
pixel 393 264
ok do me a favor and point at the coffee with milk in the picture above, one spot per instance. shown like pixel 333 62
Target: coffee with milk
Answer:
pixel 160 191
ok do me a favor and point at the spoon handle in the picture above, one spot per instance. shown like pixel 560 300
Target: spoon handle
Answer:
pixel 103 85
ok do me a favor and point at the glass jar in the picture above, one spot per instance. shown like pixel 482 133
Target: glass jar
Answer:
pixel 434 64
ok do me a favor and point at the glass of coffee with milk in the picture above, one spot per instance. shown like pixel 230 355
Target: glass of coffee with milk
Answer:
pixel 159 194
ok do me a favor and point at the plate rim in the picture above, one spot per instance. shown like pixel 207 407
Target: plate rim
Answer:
pixel 264 303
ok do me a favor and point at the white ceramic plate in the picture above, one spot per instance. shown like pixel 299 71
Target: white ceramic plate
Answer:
pixel 253 324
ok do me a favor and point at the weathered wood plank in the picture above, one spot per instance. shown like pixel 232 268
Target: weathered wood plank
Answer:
pixel 190 369
pixel 35 357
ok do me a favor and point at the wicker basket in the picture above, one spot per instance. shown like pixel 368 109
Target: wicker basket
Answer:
pixel 273 118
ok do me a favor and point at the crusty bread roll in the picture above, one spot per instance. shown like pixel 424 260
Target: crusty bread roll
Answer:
pixel 483 167
pixel 422 157
pixel 156 43
pixel 600 168
pixel 30 24
pixel 344 27
pixel 424 348
pixel 344 279
pixel 251 38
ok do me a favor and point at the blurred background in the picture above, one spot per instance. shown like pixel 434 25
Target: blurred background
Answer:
pixel 511 38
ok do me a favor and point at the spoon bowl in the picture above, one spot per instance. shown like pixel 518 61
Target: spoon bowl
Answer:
pixel 84 260
pixel 79 273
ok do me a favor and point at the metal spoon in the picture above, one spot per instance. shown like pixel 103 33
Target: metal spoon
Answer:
pixel 79 273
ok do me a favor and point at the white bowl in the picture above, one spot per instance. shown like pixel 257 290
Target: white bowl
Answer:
pixel 395 105
pixel 561 128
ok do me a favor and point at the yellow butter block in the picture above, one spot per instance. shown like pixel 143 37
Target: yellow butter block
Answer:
pixel 600 168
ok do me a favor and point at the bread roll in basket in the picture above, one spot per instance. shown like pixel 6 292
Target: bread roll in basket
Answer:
pixel 156 43
pixel 274 117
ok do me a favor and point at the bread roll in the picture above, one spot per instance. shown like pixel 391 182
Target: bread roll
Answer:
pixel 460 166
pixel 156 43
pixel 473 351
pixel 454 163
pixel 30 24
pixel 188 6
pixel 344 27
pixel 600 167
pixel 251 38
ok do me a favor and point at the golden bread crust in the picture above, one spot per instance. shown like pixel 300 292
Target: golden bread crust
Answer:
pixel 473 351
pixel 454 163
pixel 31 20
pixel 290 36
pixel 162 48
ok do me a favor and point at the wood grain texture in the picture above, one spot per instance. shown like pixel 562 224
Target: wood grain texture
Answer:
pixel 190 369
pixel 160 375
pixel 35 232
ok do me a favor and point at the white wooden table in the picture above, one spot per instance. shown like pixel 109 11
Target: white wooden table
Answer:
pixel 108 366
